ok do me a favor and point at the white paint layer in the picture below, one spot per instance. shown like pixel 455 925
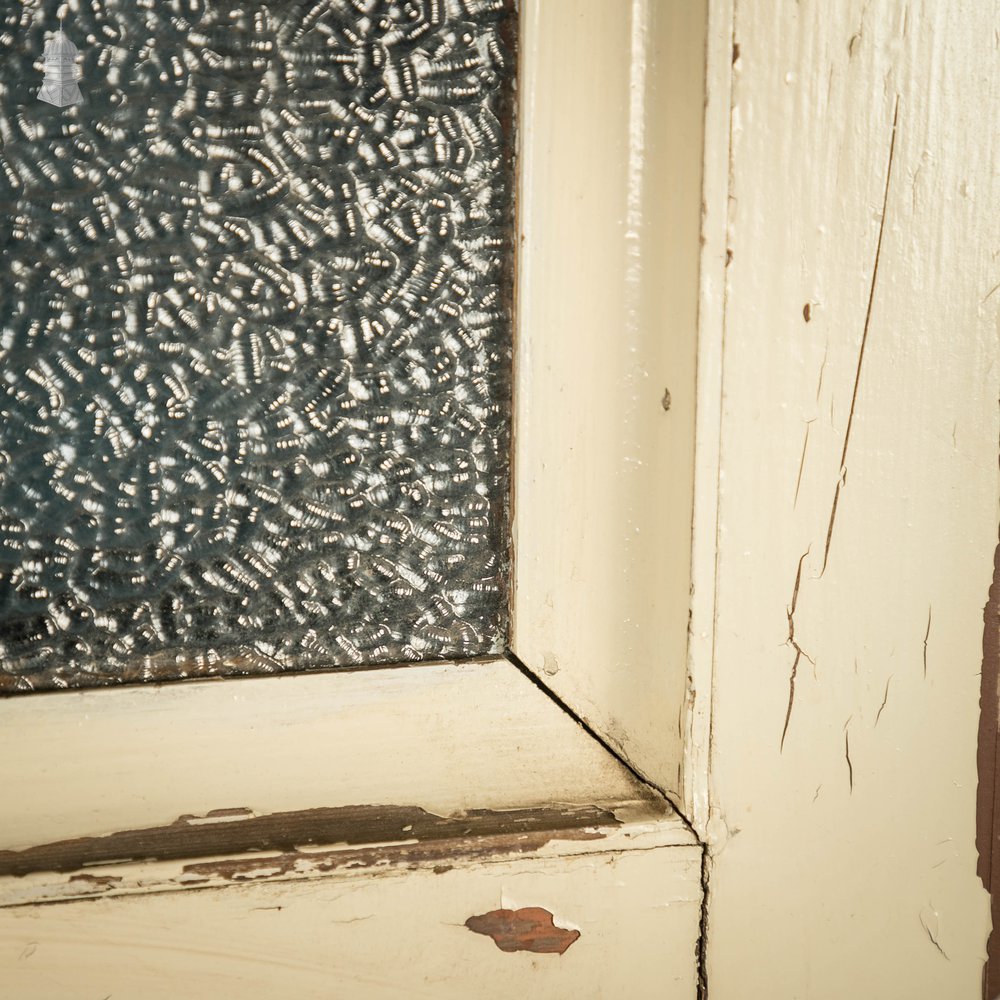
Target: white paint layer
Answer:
pixel 444 737
pixel 859 494
pixel 612 109
pixel 376 938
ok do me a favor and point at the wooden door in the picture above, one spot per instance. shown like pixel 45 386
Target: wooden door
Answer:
pixel 770 280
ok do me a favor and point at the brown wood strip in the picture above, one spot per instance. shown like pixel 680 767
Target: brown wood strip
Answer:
pixel 237 831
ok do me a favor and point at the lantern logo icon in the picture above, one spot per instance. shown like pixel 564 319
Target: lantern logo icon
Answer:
pixel 61 72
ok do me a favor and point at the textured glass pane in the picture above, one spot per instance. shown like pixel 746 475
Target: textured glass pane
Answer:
pixel 255 343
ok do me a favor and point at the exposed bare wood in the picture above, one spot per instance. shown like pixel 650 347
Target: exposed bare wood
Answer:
pixel 373 843
pixel 529 929
pixel 239 831
pixel 987 799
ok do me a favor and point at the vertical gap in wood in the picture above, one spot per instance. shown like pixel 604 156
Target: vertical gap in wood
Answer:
pixel 988 793
pixel 729 54
pixel 701 950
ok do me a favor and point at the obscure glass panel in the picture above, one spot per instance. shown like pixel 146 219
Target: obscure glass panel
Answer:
pixel 255 342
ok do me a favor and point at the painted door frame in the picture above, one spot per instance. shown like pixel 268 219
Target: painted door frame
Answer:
pixel 849 309
pixel 498 788
pixel 839 385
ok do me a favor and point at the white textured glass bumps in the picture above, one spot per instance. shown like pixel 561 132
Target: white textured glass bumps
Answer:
pixel 254 339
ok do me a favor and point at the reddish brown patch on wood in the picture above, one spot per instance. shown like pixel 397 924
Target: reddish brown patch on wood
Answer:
pixel 528 929
pixel 97 881
pixel 469 846
pixel 987 799
pixel 408 835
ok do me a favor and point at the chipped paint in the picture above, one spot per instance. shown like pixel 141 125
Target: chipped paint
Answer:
pixel 408 829
pixel 96 881
pixel 987 802
pixel 355 935
pixel 405 841
pixel 408 856
pixel 531 928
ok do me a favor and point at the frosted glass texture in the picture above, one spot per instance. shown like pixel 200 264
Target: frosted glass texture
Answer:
pixel 255 343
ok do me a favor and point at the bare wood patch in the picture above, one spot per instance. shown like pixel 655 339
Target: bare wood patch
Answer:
pixel 531 928
pixel 927 636
pixel 987 800
pixel 239 831
pixel 393 857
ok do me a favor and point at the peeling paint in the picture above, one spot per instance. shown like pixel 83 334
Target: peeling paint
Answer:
pixel 987 800
pixel 96 881
pixel 531 928
pixel 383 858
pixel 409 830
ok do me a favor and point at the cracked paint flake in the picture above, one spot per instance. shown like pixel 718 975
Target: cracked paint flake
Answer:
pixel 531 928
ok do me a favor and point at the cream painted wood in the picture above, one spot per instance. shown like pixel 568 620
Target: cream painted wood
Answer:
pixel 602 580
pixel 444 737
pixel 379 937
pixel 611 139
pixel 626 825
pixel 858 499
pixel 388 920
pixel 711 326
pixel 617 88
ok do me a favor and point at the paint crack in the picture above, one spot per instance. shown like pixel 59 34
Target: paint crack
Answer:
pixel 885 698
pixel 842 478
pixel 799 651
pixel 933 937
pixel 927 636
pixel 847 756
